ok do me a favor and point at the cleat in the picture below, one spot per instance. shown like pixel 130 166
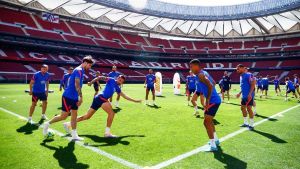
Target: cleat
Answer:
pixel 109 135
pixel 216 141
pixel 29 121
pixel 45 130
pixel 77 138
pixel 67 127
pixel 44 117
pixel 212 149
pixel 244 125
pixel 251 128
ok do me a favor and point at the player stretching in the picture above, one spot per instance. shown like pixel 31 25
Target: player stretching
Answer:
pixel 38 88
pixel 64 80
pixel 149 85
pixel 265 85
pixel 72 97
pixel 289 88
pixel 191 85
pixel 212 103
pixel 226 85
pixel 277 85
pixel 96 84
pixel 247 83
pixel 101 101
pixel 114 74
pixel 296 83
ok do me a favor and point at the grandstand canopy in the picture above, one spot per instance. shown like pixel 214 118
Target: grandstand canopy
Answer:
pixel 203 19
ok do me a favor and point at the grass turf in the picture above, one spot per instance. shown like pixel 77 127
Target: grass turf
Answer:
pixel 148 135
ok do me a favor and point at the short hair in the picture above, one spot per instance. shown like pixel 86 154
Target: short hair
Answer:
pixel 122 76
pixel 88 59
pixel 240 66
pixel 44 66
pixel 195 62
pixel 71 68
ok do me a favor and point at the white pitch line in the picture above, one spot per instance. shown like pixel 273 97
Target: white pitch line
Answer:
pixel 94 149
pixel 205 147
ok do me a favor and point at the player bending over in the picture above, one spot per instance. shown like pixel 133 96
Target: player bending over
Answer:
pixel 212 103
pixel 64 80
pixel 277 85
pixel 247 83
pixel 226 86
pixel 191 86
pixel 149 85
pixel 101 101
pixel 72 97
pixel 38 88
pixel 290 87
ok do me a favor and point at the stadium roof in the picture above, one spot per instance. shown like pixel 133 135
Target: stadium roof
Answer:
pixel 213 19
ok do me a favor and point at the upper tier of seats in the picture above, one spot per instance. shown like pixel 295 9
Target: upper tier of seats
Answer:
pixel 28 24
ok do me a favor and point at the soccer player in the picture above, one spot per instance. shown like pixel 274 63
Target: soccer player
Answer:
pixel 296 83
pixel 64 80
pixel 114 74
pixel 212 101
pixel 259 84
pixel 72 97
pixel 265 85
pixel 198 93
pixel 96 84
pixel 149 85
pixel 191 85
pixel 38 88
pixel 226 85
pixel 101 101
pixel 247 83
pixel 277 85
pixel 289 88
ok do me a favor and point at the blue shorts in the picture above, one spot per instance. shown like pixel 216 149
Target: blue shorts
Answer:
pixel 198 93
pixel 247 102
pixel 97 102
pixel 150 88
pixel 291 90
pixel 69 104
pixel 277 87
pixel 225 88
pixel 259 87
pixel 39 96
pixel 265 88
pixel 192 91
pixel 212 110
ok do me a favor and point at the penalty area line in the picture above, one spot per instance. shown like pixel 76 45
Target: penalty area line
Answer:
pixel 80 143
pixel 205 147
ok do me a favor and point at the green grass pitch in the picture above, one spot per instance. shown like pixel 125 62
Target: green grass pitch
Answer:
pixel 149 135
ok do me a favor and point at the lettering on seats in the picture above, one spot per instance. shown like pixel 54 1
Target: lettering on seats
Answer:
pixel 66 58
pixel 36 55
pixel 2 53
pixel 114 62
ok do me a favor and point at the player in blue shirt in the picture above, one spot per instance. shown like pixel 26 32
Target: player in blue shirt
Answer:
pixel 277 85
pixel 96 84
pixel 149 85
pixel 72 97
pixel 265 85
pixel 38 88
pixel 101 101
pixel 64 80
pixel 247 83
pixel 290 87
pixel 114 74
pixel 259 84
pixel 226 85
pixel 212 101
pixel 191 85
pixel 296 83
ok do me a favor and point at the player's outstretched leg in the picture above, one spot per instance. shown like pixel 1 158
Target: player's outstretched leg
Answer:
pixel 55 119
pixel 209 125
pixel 111 114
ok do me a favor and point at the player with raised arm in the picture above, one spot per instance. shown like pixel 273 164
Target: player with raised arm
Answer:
pixel 149 85
pixel 191 85
pixel 38 88
pixel 212 101
pixel 96 84
pixel 64 80
pixel 101 101
pixel 247 83
pixel 72 97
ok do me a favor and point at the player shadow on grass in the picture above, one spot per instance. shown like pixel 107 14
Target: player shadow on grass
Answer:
pixel 29 128
pixel 270 136
pixel 161 96
pixel 235 104
pixel 229 161
pixel 265 117
pixel 180 95
pixel 65 156
pixel 117 109
pixel 154 106
pixel 109 141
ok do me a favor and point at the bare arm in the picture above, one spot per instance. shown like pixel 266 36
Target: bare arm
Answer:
pixel 103 78
pixel 47 87
pixel 78 88
pixel 129 98
pixel 252 87
pixel 30 86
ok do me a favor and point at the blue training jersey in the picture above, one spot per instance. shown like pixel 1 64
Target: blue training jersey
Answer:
pixel 276 82
pixel 226 81
pixel 110 88
pixel 64 80
pixel 296 81
pixel 71 92
pixel 258 82
pixel 289 85
pixel 114 74
pixel 245 84
pixel 40 80
pixel 150 80
pixel 265 81
pixel 191 82
pixel 202 88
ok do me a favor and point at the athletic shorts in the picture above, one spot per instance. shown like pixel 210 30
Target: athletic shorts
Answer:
pixel 259 87
pixel 96 87
pixel 224 89
pixel 69 104
pixel 198 93
pixel 97 102
pixel 150 88
pixel 277 87
pixel 192 91
pixel 212 109
pixel 290 90
pixel 247 102
pixel 265 88
pixel 38 96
